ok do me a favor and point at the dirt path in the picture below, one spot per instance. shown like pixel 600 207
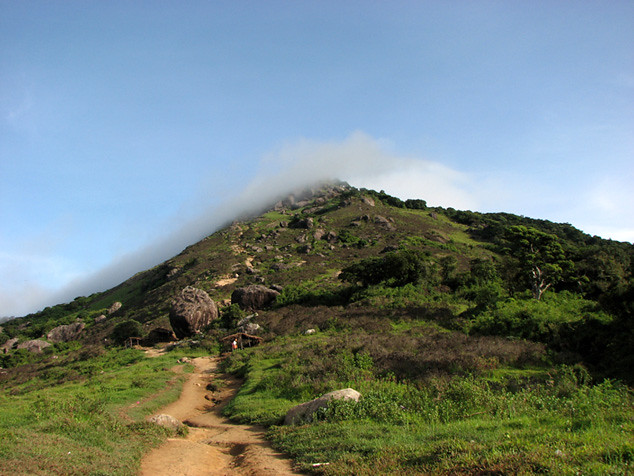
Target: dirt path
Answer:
pixel 214 445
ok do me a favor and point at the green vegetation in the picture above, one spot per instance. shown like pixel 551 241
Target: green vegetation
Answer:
pixel 481 343
pixel 83 412
pixel 395 269
pixel 516 422
pixel 126 329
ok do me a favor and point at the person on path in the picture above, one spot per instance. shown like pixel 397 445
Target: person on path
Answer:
pixel 234 344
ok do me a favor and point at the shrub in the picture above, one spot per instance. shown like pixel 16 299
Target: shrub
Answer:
pixel 310 293
pixel 126 329
pixel 231 315
pixel 396 268
pixel 349 238
pixel 543 320
pixel 416 204
pixel 17 357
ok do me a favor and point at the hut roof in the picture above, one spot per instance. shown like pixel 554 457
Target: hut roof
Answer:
pixel 243 335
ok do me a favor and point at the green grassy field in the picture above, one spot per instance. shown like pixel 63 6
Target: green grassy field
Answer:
pixel 499 421
pixel 92 424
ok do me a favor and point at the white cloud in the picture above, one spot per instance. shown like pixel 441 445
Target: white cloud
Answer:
pixel 430 181
pixel 365 162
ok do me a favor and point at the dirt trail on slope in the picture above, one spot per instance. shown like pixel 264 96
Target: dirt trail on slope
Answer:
pixel 214 445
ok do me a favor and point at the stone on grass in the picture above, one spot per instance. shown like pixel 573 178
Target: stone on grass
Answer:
pixel 304 412
pixel 166 421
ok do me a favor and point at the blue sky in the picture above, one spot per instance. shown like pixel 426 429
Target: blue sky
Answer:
pixel 129 130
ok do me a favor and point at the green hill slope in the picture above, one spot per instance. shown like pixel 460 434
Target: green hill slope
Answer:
pixel 465 332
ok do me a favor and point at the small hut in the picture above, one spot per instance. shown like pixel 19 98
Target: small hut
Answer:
pixel 243 339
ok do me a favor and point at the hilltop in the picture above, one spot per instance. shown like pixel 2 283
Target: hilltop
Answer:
pixel 440 317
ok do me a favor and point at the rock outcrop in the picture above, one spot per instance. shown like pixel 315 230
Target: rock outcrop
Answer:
pixel 254 297
pixel 304 412
pixel 35 346
pixel 10 344
pixel 114 308
pixel 192 310
pixel 367 200
pixel 66 333
pixel 331 237
pixel 385 222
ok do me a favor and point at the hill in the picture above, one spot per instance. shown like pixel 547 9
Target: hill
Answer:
pixel 464 332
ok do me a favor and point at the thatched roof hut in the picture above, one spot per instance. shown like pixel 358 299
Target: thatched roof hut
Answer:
pixel 242 338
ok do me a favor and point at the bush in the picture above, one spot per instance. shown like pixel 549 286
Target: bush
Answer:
pixel 543 321
pixel 416 204
pixel 18 357
pixel 126 329
pixel 396 268
pixel 308 294
pixel 349 238
pixel 231 315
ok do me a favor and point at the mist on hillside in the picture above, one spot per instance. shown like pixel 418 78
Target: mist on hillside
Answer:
pixel 360 160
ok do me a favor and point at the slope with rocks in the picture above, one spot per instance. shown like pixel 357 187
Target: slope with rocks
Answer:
pixel 301 245
pixel 441 318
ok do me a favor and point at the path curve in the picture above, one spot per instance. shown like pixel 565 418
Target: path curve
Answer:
pixel 214 446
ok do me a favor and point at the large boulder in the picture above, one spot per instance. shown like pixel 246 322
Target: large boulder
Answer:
pixel 304 412
pixel 254 297
pixel 192 310
pixel 35 346
pixel 114 307
pixel 65 333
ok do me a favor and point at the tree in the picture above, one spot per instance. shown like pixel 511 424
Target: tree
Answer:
pixel 448 266
pixel 483 285
pixel 482 270
pixel 542 261
pixel 396 268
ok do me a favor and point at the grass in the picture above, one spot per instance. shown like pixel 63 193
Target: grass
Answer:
pixel 505 420
pixel 457 375
pixel 474 446
pixel 94 424
pixel 258 400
